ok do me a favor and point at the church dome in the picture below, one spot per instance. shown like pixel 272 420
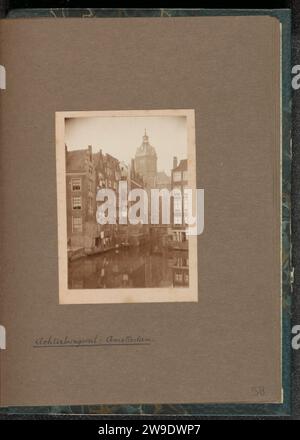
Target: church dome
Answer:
pixel 145 149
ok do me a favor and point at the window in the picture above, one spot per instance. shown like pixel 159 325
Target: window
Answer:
pixel 178 262
pixel 77 224
pixel 124 213
pixel 178 276
pixel 177 176
pixel 76 203
pixel 76 184
pixel 176 236
pixel 177 206
pixel 177 203
pixel 185 175
pixel 77 284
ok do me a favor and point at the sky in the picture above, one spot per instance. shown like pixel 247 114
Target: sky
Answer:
pixel 121 136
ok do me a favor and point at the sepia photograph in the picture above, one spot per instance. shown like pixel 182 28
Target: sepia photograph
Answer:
pixel 123 182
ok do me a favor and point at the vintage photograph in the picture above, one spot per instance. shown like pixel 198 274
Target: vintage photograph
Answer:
pixel 122 185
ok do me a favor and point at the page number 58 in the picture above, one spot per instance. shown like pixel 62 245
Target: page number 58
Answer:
pixel 296 338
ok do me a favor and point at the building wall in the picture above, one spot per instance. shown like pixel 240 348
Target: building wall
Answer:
pixel 146 166
pixel 108 175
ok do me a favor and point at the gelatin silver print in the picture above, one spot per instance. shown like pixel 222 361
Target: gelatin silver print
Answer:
pixel 123 182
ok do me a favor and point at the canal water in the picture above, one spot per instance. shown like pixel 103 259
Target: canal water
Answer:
pixel 136 267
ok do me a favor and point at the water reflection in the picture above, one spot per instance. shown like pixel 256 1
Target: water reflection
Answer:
pixel 130 267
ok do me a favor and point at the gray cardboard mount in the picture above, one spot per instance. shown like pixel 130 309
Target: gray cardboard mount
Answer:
pixel 228 344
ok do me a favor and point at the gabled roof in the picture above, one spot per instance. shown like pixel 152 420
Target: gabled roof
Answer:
pixel 183 165
pixel 162 177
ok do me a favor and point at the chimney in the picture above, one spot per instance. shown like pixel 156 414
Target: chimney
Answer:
pixel 90 153
pixel 132 167
pixel 175 162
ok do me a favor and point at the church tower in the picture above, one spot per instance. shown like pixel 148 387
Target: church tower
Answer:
pixel 146 161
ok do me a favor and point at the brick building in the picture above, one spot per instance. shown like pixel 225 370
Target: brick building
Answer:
pixel 81 200
pixel 146 161
pixel 108 175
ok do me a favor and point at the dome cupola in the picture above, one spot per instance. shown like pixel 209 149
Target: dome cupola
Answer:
pixel 145 149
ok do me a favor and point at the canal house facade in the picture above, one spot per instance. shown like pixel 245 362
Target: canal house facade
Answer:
pixel 81 200
pixel 86 173
pixel 163 246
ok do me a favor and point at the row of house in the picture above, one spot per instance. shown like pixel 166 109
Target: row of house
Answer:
pixel 86 172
